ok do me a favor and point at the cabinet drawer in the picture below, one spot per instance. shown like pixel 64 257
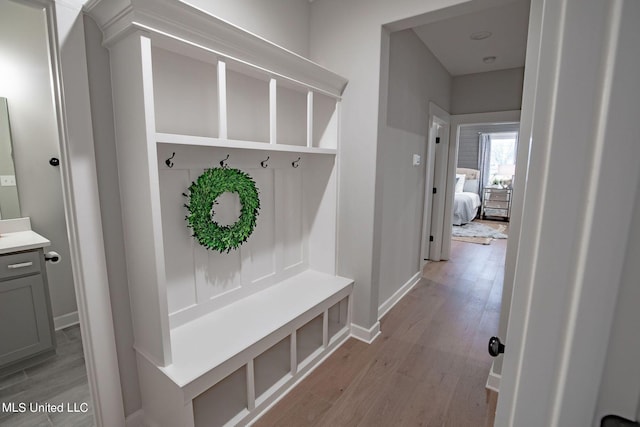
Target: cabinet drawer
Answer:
pixel 502 213
pixel 19 264
pixel 498 195
pixel 495 204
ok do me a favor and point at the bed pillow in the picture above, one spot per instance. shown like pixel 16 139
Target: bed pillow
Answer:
pixel 471 186
pixel 460 177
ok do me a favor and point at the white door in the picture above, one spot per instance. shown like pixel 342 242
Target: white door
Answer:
pixel 428 194
pixel 435 184
pixel 580 112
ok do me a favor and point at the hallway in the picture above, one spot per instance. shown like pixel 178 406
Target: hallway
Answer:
pixel 430 364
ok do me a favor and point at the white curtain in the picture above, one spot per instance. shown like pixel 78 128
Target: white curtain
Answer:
pixel 484 160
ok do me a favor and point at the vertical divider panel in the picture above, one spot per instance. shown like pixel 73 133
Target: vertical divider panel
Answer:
pixel 222 100
pixel 251 386
pixel 294 353
pixel 133 99
pixel 273 111
pixel 325 329
pixel 154 180
pixel 310 119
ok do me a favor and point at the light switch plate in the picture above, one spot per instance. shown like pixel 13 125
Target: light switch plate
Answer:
pixel 8 180
pixel 416 160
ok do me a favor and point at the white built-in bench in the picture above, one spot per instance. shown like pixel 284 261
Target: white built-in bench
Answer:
pixel 230 365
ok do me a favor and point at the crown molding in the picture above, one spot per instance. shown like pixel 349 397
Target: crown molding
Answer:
pixel 177 20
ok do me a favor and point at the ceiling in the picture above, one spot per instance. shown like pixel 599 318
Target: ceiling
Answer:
pixel 450 41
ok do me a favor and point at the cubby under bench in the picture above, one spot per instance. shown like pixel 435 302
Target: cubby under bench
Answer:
pixel 232 364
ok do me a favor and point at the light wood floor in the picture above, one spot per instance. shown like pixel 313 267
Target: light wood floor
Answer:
pixel 430 365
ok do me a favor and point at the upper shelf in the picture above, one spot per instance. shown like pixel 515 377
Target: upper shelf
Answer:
pixel 192 31
pixel 201 141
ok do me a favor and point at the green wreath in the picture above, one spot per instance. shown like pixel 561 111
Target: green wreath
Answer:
pixel 203 194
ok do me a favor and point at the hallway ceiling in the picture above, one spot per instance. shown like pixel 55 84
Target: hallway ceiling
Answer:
pixel 450 41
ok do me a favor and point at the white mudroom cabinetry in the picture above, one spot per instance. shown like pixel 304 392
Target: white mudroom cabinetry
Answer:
pixel 220 336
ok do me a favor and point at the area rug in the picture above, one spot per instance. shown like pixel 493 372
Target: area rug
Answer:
pixel 478 232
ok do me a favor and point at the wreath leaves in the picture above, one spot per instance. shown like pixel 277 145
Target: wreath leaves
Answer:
pixel 202 196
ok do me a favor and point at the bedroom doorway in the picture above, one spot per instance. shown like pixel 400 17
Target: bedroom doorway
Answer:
pixel 484 194
pixel 476 177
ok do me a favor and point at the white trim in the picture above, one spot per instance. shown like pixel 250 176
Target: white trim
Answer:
pixel 493 381
pixel 436 111
pixel 398 295
pixel 82 210
pixel 66 320
pixel 497 117
pixel 365 335
pixel 197 27
pixel 136 419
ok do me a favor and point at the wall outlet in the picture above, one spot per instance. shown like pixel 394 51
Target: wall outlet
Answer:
pixel 416 160
pixel 8 180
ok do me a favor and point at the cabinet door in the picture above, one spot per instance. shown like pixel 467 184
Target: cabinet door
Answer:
pixel 24 320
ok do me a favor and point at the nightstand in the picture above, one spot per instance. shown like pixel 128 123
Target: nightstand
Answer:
pixel 496 203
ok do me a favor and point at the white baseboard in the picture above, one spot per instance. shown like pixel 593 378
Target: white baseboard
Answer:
pixel 398 295
pixel 136 419
pixel 66 320
pixel 366 335
pixel 493 381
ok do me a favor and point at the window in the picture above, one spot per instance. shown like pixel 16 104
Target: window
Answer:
pixel 502 156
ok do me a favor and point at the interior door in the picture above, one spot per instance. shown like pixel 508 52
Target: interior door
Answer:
pixel 441 188
pixel 428 194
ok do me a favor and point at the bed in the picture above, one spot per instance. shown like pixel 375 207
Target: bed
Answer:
pixel 466 201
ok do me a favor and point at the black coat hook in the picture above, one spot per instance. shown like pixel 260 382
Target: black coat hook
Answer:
pixel 296 163
pixel 223 163
pixel 168 162
pixel 264 162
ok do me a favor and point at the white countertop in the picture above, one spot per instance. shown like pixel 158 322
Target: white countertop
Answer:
pixel 16 235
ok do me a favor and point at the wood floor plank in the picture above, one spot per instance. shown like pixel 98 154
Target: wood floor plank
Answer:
pixel 428 367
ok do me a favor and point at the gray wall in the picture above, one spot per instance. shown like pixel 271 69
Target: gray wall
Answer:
pixel 346 38
pixel 415 77
pixel 26 83
pixel 487 92
pixel 283 22
pixel 468 141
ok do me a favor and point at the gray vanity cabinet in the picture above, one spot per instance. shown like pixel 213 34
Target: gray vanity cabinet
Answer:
pixel 26 324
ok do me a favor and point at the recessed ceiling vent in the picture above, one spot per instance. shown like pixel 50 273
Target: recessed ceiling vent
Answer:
pixel 481 35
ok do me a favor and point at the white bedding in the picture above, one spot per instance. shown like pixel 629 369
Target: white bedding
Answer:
pixel 465 207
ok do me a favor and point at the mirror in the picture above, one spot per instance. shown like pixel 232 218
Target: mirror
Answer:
pixel 9 204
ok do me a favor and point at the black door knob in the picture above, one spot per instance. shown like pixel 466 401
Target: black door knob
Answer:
pixel 495 346
pixel 54 161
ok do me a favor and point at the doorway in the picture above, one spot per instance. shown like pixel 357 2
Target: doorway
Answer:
pixel 485 170
pixel 478 96
pixel 47 383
